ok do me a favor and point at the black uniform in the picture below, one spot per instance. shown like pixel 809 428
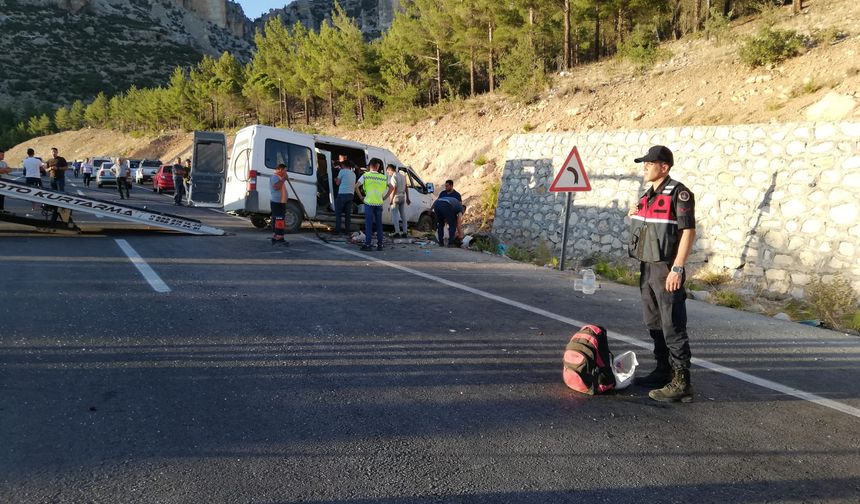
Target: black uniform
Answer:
pixel 654 236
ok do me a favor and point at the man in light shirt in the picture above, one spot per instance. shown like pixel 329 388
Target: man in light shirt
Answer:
pixel 32 169
pixel 399 200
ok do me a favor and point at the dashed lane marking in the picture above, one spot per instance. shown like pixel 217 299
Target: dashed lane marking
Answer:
pixel 145 270
pixel 717 368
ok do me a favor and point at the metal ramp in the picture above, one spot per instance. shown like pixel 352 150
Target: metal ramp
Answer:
pixel 103 208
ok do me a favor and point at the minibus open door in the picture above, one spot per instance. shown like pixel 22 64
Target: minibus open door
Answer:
pixel 208 170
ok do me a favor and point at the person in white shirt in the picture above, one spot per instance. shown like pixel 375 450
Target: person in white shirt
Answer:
pixel 32 169
pixel 123 171
pixel 399 200
pixel 87 169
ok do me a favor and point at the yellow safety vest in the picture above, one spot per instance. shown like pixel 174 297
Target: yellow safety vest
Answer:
pixel 374 188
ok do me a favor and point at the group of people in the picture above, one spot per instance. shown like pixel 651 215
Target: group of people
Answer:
pixel 181 179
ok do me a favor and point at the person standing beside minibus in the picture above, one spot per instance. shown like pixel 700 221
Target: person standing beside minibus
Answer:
pixel 376 189
pixel 278 203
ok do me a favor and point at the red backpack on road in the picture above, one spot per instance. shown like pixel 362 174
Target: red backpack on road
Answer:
pixel 588 362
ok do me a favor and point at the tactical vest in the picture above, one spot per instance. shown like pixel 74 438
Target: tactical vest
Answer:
pixel 374 188
pixel 654 231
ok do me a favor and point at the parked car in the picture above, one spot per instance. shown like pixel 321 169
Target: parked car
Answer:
pixel 99 161
pixel 105 175
pixel 147 169
pixel 162 181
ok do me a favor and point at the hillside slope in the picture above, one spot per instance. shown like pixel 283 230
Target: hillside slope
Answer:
pixel 99 45
pixel 701 83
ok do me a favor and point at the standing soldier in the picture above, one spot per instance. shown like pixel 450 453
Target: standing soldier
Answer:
pixel 278 203
pixel 178 181
pixel 376 189
pixel 662 230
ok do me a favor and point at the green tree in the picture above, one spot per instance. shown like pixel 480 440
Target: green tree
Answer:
pixel 63 119
pixel 76 114
pixel 97 113
pixel 433 37
pixel 522 71
pixel 39 125
pixel 356 73
pixel 401 70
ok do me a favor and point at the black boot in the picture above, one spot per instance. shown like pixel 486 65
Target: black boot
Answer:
pixel 679 389
pixel 661 375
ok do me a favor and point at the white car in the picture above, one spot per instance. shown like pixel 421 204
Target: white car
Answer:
pixel 105 175
pixel 147 169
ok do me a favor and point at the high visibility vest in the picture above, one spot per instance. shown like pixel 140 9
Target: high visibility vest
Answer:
pixel 374 188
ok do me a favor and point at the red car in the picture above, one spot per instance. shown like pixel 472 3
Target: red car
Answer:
pixel 163 179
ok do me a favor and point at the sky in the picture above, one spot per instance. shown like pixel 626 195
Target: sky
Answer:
pixel 255 8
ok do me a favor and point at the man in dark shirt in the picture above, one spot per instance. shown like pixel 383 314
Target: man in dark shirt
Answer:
pixel 57 167
pixel 449 191
pixel 178 181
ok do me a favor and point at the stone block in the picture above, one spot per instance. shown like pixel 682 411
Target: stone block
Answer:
pixel 795 148
pixel 783 260
pixel 847 249
pixel 758 149
pixel 821 148
pixel 850 129
pixel 851 163
pixel 844 215
pixel 751 194
pixel 740 133
pixel 792 208
pixel 775 274
pixel 802 132
pixel 811 226
pixel 824 131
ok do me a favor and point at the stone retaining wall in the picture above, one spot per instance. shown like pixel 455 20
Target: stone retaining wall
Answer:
pixel 777 204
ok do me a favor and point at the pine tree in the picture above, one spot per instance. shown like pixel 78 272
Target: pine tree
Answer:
pixel 63 119
pixel 401 71
pixel 97 113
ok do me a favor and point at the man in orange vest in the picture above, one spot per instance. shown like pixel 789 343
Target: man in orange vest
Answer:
pixel 278 203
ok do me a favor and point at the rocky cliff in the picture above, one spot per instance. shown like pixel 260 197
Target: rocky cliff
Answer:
pixel 372 16
pixel 87 46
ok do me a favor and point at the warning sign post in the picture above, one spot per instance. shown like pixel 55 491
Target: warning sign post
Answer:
pixel 571 178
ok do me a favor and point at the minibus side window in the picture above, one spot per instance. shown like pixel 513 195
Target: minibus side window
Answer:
pixel 296 157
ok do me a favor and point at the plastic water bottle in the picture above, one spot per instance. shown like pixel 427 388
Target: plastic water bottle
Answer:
pixel 589 282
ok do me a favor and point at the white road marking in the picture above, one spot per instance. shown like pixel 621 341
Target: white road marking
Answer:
pixel 717 368
pixel 148 273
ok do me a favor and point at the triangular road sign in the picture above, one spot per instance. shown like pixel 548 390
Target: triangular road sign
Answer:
pixel 572 176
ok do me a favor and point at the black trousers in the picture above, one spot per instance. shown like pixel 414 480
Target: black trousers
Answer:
pixel 122 185
pixel 665 314
pixel 178 189
pixel 279 211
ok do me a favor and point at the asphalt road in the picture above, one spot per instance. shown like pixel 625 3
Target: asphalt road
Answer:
pixel 317 373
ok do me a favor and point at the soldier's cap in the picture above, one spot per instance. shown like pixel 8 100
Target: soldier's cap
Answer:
pixel 658 153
